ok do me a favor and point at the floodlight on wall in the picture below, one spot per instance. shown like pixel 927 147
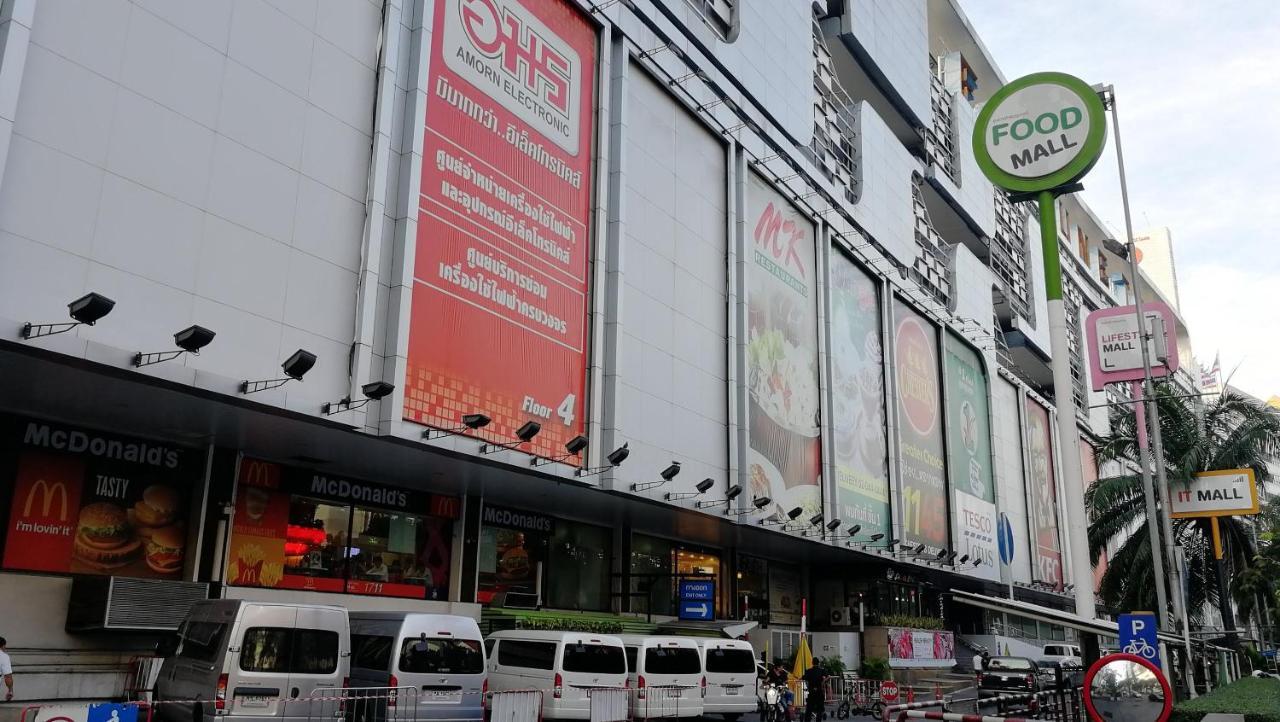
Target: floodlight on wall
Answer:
pixel 729 495
pixel 791 519
pixel 615 458
pixel 573 447
pixel 189 340
pixel 977 563
pixel 524 435
pixel 470 422
pixel 758 505
pixel 918 550
pixel 942 554
pixel 667 475
pixel 701 487
pixel 850 533
pixel 294 367
pixel 964 559
pixel 86 310
pixel 372 392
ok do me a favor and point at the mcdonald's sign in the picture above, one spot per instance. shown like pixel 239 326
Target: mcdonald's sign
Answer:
pixel 42 521
pixel 57 491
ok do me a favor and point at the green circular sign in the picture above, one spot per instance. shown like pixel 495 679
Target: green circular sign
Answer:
pixel 1039 132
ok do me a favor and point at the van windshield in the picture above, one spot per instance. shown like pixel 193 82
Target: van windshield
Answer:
pixel 672 660
pixel 594 658
pixel 202 640
pixel 436 655
pixel 731 661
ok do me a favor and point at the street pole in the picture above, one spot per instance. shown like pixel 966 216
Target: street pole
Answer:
pixel 1109 97
pixel 1068 434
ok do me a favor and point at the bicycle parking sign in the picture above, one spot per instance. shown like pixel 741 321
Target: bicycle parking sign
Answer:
pixel 1138 636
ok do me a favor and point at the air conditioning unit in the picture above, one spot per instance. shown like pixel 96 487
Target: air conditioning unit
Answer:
pixel 125 603
pixel 841 617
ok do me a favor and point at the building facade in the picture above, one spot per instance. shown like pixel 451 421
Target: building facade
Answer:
pixel 596 296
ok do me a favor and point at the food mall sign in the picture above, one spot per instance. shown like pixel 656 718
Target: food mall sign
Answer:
pixel 1215 493
pixel 1039 132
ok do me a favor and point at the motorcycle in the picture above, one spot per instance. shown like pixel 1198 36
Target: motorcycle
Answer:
pixel 775 703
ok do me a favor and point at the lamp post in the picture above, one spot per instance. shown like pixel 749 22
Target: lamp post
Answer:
pixel 1144 395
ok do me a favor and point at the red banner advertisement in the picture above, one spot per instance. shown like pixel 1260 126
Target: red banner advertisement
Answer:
pixel 503 249
pixel 91 503
pixel 1042 488
pixel 923 464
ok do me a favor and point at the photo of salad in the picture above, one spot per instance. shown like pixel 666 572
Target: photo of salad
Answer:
pixel 782 354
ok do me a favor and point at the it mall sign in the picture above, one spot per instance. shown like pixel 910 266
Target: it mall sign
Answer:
pixel 1039 132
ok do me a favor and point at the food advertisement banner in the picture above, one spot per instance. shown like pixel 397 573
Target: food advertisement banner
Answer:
pixel 969 454
pixel 1042 490
pixel 785 454
pixel 299 529
pixel 1089 475
pixel 924 484
pixel 86 502
pixel 858 413
pixel 500 274
pixel 784 594
pixel 910 645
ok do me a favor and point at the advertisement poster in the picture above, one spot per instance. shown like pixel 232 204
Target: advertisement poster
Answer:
pixel 86 502
pixel 500 271
pixel 924 486
pixel 513 546
pixel 784 595
pixel 299 529
pixel 858 412
pixel 969 452
pixel 1089 475
pixel 1042 489
pixel 785 455
pixel 910 645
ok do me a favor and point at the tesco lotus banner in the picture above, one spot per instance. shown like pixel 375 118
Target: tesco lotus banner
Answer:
pixel 503 244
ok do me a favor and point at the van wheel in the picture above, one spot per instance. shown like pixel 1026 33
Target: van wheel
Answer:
pixel 197 712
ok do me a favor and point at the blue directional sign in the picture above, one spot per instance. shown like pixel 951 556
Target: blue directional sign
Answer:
pixel 697 590
pixel 110 712
pixel 1005 537
pixel 695 609
pixel 1138 636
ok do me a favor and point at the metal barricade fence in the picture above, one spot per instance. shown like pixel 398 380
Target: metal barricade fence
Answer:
pixel 360 704
pixel 517 705
pixel 661 701
pixel 609 704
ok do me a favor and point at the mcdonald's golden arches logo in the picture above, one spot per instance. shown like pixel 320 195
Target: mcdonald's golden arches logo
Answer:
pixel 47 493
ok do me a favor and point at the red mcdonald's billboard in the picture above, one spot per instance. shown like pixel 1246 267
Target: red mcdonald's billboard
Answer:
pixel 500 286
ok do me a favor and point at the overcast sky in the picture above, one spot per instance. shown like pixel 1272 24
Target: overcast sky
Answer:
pixel 1198 92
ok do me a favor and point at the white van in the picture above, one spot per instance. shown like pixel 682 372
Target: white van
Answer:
pixel 730 667
pixel 246 660
pixel 564 665
pixel 440 655
pixel 666 673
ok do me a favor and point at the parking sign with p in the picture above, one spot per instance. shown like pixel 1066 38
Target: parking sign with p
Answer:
pixel 1138 636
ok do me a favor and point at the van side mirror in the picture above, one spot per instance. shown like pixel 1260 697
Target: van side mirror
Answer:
pixel 167 646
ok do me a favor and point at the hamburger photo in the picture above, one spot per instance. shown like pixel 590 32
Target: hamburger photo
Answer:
pixel 103 537
pixel 156 509
pixel 164 550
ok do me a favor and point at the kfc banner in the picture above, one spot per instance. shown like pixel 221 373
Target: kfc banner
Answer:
pixel 785 454
pixel 86 502
pixel 503 248
pixel 1042 488
pixel 969 454
pixel 858 395
pixel 924 474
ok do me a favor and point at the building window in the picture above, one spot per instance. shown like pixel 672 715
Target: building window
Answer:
pixel 651 581
pixel 719 15
pixel 316 542
pixel 753 589
pixel 578 574
pixel 510 560
pixel 393 554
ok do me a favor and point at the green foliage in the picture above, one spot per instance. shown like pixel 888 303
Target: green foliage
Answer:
pixel 569 624
pixel 1257 699
pixel 1230 432
pixel 833 665
pixel 875 668
pixel 906 620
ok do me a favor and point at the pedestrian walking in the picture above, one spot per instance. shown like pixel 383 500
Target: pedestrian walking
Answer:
pixel 6 669
pixel 815 702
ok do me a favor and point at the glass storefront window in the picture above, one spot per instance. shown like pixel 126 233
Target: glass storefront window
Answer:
pixel 651 583
pixel 578 577
pixel 753 588
pixel 692 563
pixel 316 540
pixel 391 554
pixel 509 563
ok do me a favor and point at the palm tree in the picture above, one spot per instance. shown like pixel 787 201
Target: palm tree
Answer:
pixel 1230 432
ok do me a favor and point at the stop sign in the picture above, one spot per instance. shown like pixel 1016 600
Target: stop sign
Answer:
pixel 889 691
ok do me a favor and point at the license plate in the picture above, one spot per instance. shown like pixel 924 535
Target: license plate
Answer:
pixel 255 701
pixel 443 696
pixel 731 691
pixel 676 693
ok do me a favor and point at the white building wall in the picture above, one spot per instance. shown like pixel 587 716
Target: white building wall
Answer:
pixel 895 34
pixel 199 163
pixel 975 194
pixel 885 207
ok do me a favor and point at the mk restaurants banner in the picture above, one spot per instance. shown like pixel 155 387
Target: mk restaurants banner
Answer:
pixel 858 413
pixel 784 459
pixel 87 502
pixel 924 484
pixel 1042 489
pixel 969 451
pixel 500 275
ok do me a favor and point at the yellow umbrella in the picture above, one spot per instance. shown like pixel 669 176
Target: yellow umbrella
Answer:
pixel 804 660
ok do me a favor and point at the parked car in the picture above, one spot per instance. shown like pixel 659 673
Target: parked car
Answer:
pixel 730 666
pixel 1009 675
pixel 667 675
pixel 564 665
pixel 1061 653
pixel 441 656
pixel 242 660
